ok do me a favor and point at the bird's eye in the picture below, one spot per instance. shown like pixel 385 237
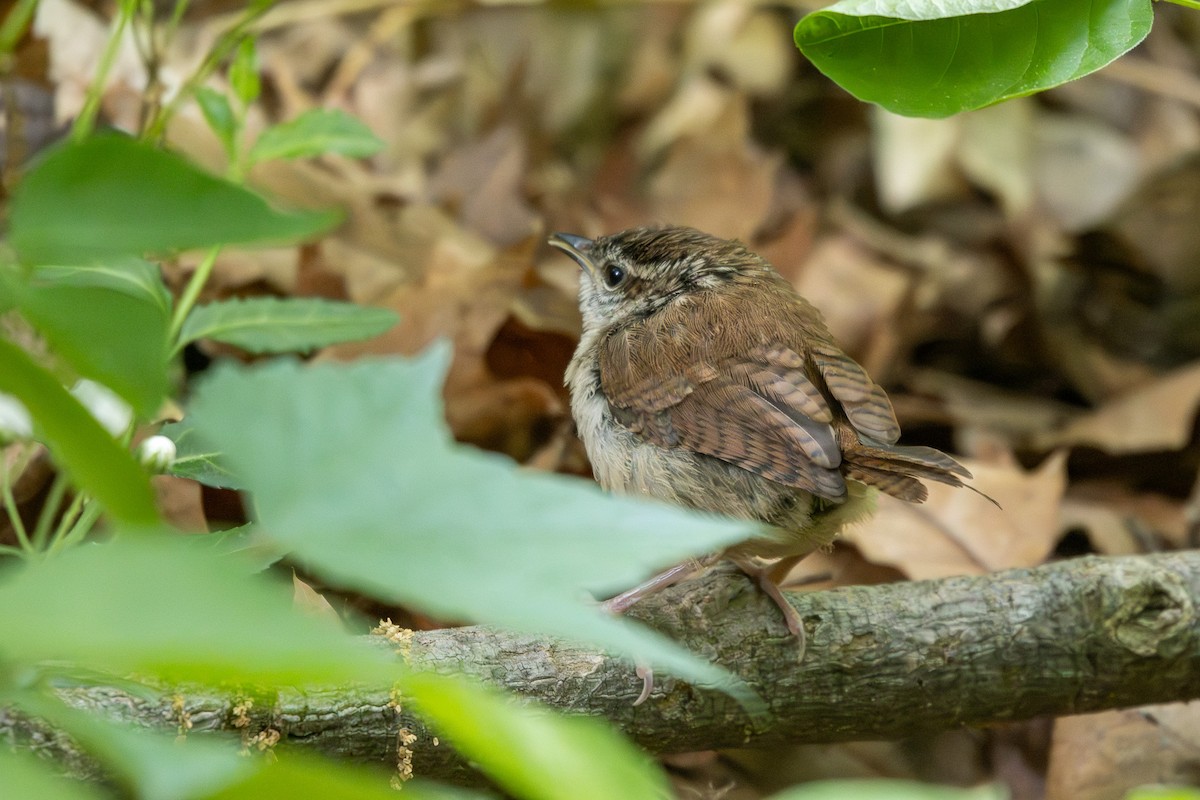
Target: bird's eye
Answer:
pixel 613 276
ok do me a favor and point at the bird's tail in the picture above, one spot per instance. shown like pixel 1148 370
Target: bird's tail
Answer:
pixel 898 470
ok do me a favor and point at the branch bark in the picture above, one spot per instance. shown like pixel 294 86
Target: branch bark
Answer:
pixel 882 662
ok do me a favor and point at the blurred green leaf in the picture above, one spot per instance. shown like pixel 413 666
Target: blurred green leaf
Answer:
pixel 937 59
pixel 273 325
pixel 154 605
pixel 219 116
pixel 110 195
pixel 298 774
pixel 1164 793
pixel 887 790
pixel 243 72
pixel 30 778
pixel 135 277
pixel 195 461
pixel 114 337
pixel 151 764
pixel 93 458
pixel 456 532
pixel 531 752
pixel 316 132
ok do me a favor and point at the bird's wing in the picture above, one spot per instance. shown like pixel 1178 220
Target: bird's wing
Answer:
pixel 769 402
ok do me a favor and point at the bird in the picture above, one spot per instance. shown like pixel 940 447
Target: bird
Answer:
pixel 702 378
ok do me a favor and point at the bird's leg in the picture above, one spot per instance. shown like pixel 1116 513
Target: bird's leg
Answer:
pixel 766 578
pixel 669 577
pixel 626 600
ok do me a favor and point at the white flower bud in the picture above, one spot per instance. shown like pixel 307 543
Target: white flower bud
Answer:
pixel 15 422
pixel 157 453
pixel 105 405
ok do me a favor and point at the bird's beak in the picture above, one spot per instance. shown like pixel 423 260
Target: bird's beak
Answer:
pixel 577 247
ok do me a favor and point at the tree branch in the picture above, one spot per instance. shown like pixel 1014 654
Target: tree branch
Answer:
pixel 882 662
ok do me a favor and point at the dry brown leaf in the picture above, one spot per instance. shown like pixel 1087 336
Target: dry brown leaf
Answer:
pixel 749 47
pixel 1102 756
pixel 1148 518
pixel 957 532
pixel 1158 416
pixel 721 182
pixel 483 182
pixel 914 160
pixel 995 151
pixel 856 292
pixel 973 403
pixel 180 502
pixel 465 293
pixel 312 602
pixel 1084 168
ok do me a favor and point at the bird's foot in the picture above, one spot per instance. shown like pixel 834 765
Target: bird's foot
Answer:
pixel 765 577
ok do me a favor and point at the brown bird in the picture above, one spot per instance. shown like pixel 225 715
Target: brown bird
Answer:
pixel 702 378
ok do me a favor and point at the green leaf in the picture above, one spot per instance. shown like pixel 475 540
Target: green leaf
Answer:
pixel 1163 793
pixel 110 195
pixel 316 132
pixel 937 59
pixel 531 752
pixel 155 605
pixel 887 790
pixel 300 774
pixel 243 72
pixel 114 336
pixel 135 277
pixel 421 521
pixel 30 778
pixel 151 764
pixel 219 116
pixel 94 459
pixel 273 325
pixel 195 461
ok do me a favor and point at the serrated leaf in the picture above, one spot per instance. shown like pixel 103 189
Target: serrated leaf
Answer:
pixel 531 752
pixel 448 529
pixel 154 605
pixel 79 444
pixel 937 59
pixel 197 462
pixel 316 132
pixel 113 196
pixel 274 325
pixel 219 116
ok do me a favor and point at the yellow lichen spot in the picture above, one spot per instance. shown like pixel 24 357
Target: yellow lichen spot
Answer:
pixel 263 741
pixel 401 637
pixel 181 714
pixel 404 758
pixel 241 711
pixel 395 698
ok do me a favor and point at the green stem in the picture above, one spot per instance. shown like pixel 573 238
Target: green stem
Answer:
pixel 9 550
pixel 86 120
pixel 1186 3
pixel 41 534
pixel 69 516
pixel 224 45
pixel 80 529
pixel 10 500
pixel 190 293
pixel 15 25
